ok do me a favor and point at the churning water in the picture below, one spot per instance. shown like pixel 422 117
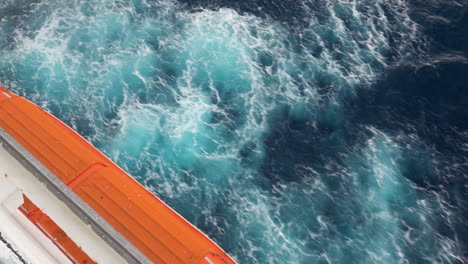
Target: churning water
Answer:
pixel 297 131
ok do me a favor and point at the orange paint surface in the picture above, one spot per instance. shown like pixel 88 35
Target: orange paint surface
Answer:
pixel 148 223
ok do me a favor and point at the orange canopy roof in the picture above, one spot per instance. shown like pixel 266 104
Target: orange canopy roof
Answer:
pixel 148 223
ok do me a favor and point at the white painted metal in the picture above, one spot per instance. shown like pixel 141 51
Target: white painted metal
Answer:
pixel 32 244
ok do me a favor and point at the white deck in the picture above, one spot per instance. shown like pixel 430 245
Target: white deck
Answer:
pixel 26 238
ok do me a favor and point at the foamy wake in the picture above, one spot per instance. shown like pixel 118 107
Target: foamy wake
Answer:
pixel 186 100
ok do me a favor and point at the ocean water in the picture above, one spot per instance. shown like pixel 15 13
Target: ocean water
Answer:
pixel 289 131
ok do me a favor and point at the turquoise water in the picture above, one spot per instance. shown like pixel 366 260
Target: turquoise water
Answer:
pixel 272 137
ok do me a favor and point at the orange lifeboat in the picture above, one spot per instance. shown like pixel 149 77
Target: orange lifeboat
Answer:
pixel 154 230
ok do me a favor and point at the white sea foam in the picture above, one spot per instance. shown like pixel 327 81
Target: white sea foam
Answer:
pixel 184 101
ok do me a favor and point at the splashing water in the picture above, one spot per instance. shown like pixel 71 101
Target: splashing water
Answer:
pixel 256 130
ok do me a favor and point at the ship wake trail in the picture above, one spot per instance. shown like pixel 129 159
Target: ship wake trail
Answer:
pixel 249 123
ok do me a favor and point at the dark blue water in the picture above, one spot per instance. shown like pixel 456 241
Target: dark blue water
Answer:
pixel 299 131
